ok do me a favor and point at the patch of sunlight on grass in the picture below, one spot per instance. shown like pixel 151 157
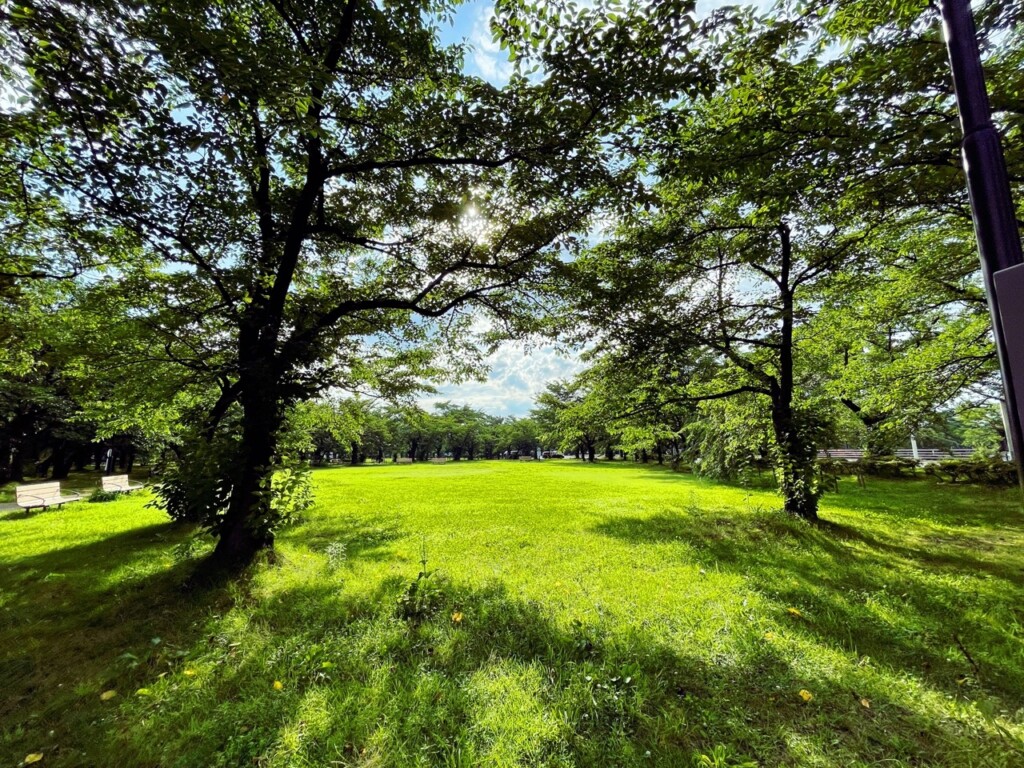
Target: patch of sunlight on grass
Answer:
pixel 510 718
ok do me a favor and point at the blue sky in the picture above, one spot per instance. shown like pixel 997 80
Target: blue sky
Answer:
pixel 517 372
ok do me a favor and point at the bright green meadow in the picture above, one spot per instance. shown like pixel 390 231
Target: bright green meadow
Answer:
pixel 573 615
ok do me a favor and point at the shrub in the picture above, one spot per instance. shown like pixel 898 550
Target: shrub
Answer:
pixel 196 487
pixel 991 471
pixel 99 495
pixel 885 466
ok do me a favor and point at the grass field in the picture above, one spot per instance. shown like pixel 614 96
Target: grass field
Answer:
pixel 608 615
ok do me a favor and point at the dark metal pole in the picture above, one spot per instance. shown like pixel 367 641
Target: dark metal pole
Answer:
pixel 995 222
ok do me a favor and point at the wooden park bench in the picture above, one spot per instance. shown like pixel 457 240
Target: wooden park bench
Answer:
pixel 42 495
pixel 439 460
pixel 119 484
pixel 404 460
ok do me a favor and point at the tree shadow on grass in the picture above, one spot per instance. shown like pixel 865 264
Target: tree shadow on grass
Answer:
pixel 944 618
pixel 908 499
pixel 78 621
pixel 481 677
pixel 112 614
pixel 356 536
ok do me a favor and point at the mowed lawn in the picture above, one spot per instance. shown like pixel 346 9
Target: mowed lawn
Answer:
pixel 607 615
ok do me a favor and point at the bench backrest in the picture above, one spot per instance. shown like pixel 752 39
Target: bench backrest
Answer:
pixel 404 460
pixel 114 483
pixel 841 453
pixel 439 460
pixel 38 491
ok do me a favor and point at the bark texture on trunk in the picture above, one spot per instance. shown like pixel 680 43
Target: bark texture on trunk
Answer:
pixel 795 452
pixel 247 526
pixel 795 463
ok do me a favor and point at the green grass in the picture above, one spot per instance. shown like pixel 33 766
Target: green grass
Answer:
pixel 611 615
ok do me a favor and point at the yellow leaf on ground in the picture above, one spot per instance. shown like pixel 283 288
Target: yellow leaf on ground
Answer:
pixel 190 673
pixel 865 703
pixel 794 612
pixel 144 692
pixel 806 695
pixel 769 635
pixel 457 617
pixel 278 685
pixel 35 757
pixel 108 695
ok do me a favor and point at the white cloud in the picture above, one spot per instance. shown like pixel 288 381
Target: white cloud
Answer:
pixel 517 375
pixel 490 61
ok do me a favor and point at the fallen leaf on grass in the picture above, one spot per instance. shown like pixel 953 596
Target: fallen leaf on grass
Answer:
pixel 108 695
pixel 144 692
pixel 794 612
pixel 806 695
pixel 35 757
pixel 278 685
pixel 457 617
pixel 865 703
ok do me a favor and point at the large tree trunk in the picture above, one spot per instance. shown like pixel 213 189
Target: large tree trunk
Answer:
pixel 81 457
pixel 795 462
pixel 61 465
pixel 247 526
pixel 16 471
pixel 5 458
pixel 795 453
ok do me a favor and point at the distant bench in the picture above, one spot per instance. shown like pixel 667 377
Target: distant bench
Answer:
pixel 923 454
pixel 439 460
pixel 526 458
pixel 119 484
pixel 404 460
pixel 43 495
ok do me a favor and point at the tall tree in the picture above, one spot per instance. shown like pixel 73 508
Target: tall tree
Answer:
pixel 294 176
pixel 748 220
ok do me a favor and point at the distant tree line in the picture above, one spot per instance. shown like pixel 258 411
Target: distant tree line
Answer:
pixel 354 431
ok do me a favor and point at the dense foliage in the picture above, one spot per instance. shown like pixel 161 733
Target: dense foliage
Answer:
pixel 221 217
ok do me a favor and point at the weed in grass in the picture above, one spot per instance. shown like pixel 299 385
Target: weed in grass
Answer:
pixel 336 553
pixel 99 495
pixel 425 595
pixel 720 757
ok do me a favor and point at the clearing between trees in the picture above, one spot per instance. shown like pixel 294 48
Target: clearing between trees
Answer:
pixel 567 615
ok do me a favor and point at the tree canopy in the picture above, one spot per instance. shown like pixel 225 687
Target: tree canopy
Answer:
pixel 231 229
